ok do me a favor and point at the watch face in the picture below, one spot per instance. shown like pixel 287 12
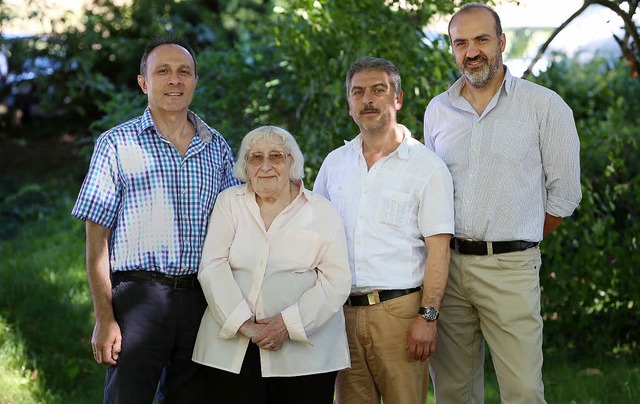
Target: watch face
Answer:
pixel 429 313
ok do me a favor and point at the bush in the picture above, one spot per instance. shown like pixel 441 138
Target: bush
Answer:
pixel 590 275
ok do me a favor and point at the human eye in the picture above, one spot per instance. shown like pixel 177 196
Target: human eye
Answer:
pixel 277 157
pixel 255 159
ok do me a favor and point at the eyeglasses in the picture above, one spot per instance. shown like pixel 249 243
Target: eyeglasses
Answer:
pixel 275 157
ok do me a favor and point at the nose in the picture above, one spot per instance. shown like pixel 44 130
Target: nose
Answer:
pixel 266 164
pixel 367 98
pixel 472 51
pixel 174 78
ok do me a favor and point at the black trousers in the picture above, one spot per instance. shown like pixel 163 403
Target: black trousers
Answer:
pixel 159 327
pixel 249 387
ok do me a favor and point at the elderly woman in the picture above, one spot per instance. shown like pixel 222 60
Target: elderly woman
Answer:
pixel 275 274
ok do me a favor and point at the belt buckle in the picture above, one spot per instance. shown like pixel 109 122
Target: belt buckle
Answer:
pixel 373 298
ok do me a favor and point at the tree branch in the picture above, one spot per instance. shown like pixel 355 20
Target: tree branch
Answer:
pixel 545 45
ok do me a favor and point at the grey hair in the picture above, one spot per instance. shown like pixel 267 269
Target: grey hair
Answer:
pixel 366 64
pixel 268 133
pixel 478 6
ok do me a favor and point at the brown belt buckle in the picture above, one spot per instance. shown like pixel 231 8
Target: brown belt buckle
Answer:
pixel 373 297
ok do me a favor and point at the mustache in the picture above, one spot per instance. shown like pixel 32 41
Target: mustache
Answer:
pixel 368 108
pixel 475 58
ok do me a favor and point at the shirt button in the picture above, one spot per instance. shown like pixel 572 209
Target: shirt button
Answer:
pixel 184 190
pixel 184 267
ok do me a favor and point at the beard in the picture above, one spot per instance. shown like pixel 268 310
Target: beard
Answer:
pixel 480 76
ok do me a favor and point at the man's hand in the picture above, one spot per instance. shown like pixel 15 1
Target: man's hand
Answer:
pixel 421 340
pixel 106 342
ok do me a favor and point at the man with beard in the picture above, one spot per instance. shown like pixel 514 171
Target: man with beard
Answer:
pixel 513 152
pixel 395 197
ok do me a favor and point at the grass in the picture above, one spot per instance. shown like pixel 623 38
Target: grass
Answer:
pixel 46 319
pixel 45 306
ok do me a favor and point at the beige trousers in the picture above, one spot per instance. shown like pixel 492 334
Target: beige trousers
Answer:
pixel 379 366
pixel 494 298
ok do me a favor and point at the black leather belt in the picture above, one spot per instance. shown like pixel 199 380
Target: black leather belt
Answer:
pixel 472 247
pixel 378 296
pixel 179 282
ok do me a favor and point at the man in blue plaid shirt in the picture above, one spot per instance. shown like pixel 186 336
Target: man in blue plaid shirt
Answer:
pixel 146 201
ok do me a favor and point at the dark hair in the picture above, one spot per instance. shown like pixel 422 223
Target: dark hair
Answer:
pixel 370 63
pixel 478 6
pixel 165 40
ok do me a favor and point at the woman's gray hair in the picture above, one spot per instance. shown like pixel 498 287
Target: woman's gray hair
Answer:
pixel 268 133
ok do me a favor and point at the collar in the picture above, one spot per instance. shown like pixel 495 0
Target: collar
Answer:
pixel 456 88
pixel 402 150
pixel 245 189
pixel 203 131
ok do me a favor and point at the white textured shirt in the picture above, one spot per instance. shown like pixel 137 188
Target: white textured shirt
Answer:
pixel 298 267
pixel 388 210
pixel 517 161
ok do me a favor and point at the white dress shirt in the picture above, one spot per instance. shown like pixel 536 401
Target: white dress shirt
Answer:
pixel 388 210
pixel 511 165
pixel 298 267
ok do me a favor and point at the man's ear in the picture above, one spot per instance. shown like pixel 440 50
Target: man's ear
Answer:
pixel 399 100
pixel 142 83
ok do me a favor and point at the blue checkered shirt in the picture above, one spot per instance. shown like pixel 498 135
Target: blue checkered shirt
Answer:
pixel 156 202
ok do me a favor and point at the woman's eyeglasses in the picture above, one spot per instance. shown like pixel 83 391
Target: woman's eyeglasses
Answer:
pixel 275 157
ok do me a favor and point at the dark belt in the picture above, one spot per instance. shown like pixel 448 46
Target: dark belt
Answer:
pixel 178 282
pixel 471 247
pixel 378 296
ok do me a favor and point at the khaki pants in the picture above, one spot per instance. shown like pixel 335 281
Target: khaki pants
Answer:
pixel 379 366
pixel 494 298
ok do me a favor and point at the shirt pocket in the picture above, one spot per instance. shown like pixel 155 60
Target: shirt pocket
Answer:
pixel 394 208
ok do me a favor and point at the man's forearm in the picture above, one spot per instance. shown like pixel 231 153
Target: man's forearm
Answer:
pixel 550 224
pixel 436 269
pixel 98 270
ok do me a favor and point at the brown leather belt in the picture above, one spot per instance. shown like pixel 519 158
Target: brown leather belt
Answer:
pixel 378 296
pixel 472 247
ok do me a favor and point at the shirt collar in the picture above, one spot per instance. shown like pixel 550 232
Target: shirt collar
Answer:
pixel 203 131
pixel 402 150
pixel 456 88
pixel 246 189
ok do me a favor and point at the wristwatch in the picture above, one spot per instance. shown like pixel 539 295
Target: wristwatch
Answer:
pixel 429 313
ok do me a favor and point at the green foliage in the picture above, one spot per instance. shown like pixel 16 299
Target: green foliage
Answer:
pixel 292 72
pixel 289 70
pixel 591 283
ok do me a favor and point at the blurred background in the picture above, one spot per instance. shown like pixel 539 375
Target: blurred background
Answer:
pixel 68 72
